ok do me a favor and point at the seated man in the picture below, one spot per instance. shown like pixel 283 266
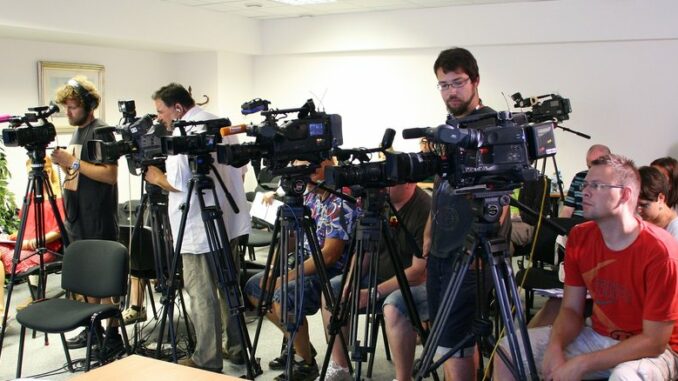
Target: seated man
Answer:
pixel 630 268
pixel 333 218
pixel 413 205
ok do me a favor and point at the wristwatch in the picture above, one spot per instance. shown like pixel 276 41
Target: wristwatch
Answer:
pixel 76 165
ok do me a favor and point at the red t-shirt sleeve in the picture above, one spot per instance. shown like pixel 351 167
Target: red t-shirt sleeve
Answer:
pixel 662 290
pixel 573 250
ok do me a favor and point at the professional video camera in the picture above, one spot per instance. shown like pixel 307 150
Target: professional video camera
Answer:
pixel 38 132
pixel 396 168
pixel 140 142
pixel 544 107
pixel 194 143
pixel 498 157
pixel 311 137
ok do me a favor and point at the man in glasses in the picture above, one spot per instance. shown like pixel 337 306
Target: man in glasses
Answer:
pixel 573 201
pixel 630 268
pixel 451 218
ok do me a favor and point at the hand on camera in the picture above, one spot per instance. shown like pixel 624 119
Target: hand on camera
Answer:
pixel 62 158
pixel 268 198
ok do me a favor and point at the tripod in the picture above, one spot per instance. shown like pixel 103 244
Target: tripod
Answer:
pixel 370 231
pixel 219 258
pixel 482 243
pixel 155 199
pixel 293 226
pixel 38 185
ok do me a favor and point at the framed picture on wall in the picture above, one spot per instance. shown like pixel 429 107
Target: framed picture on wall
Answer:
pixel 52 75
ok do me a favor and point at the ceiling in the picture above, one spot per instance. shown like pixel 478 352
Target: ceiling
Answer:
pixel 269 9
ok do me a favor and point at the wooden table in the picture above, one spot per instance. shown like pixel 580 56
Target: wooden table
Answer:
pixel 140 368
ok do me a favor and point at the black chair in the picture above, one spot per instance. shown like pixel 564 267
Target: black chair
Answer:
pixel 545 261
pixel 142 260
pixel 95 268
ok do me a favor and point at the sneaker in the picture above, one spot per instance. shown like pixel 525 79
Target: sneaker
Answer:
pixel 335 372
pixel 301 371
pixel 134 314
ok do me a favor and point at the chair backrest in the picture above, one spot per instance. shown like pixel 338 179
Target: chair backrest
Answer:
pixel 95 268
pixel 140 248
pixel 545 248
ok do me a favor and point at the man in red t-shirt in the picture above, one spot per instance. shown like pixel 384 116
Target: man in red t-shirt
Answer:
pixel 630 268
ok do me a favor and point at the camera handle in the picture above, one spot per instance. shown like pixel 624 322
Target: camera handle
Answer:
pixel 483 245
pixel 38 184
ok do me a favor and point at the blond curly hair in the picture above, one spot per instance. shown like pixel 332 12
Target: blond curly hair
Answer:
pixel 66 92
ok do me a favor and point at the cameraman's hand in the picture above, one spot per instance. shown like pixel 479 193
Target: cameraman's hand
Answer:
pixel 62 158
pixel 268 198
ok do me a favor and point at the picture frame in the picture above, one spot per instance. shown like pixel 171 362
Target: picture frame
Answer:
pixel 52 75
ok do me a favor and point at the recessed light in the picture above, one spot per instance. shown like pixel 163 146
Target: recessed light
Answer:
pixel 252 5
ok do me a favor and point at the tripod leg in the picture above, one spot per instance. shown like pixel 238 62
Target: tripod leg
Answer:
pixel 461 265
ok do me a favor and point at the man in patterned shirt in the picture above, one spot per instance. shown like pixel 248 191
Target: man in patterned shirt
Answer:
pixel 334 220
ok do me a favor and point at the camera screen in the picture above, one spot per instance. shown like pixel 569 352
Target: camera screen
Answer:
pixel 316 129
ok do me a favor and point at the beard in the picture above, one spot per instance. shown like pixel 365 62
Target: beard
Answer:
pixel 78 121
pixel 461 108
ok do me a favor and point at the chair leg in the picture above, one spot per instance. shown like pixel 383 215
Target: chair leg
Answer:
pixel 69 362
pixel 21 351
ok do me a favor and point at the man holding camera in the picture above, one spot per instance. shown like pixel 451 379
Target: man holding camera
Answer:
pixel 451 218
pixel 174 102
pixel 90 191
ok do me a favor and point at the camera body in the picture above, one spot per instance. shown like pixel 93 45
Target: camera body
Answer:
pixel 32 130
pixel 544 107
pixel 493 150
pixel 195 143
pixel 140 143
pixel 396 168
pixel 311 137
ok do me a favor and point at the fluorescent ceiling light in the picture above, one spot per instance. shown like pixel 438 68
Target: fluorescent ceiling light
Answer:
pixel 304 2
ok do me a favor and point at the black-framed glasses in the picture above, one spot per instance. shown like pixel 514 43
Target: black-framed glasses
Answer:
pixel 456 84
pixel 598 186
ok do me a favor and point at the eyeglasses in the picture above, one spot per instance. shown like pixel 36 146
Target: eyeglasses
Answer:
pixel 598 186
pixel 456 84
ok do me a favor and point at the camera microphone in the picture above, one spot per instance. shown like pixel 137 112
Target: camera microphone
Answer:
pixel 387 140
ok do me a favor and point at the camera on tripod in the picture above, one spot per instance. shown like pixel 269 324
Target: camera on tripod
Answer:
pixel 36 132
pixel 497 157
pixel 311 137
pixel 396 168
pixel 544 107
pixel 140 143
pixel 195 143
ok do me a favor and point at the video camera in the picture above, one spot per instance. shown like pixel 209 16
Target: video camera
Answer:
pixel 496 157
pixel 396 168
pixel 195 143
pixel 311 137
pixel 140 143
pixel 544 107
pixel 38 132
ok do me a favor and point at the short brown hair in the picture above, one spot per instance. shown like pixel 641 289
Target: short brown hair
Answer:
pixel 652 183
pixel 624 169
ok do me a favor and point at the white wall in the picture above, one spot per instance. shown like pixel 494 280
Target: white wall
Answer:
pixel 615 60
pixel 129 74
